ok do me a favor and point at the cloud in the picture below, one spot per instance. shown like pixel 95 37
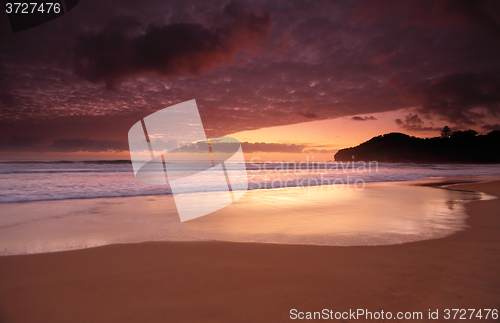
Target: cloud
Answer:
pixel 431 14
pixel 365 118
pixel 19 143
pixel 271 147
pixel 382 58
pixel 461 98
pixel 413 122
pixel 309 115
pixel 75 145
pixel 31 144
pixel 121 50
pixel 394 82
pixel 247 147
pixel 317 57
pixel 320 151
pixel 495 126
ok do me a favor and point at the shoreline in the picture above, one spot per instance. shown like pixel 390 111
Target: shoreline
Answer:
pixel 383 213
pixel 438 182
pixel 211 281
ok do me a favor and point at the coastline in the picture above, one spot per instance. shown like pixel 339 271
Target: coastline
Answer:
pixel 380 213
pixel 212 281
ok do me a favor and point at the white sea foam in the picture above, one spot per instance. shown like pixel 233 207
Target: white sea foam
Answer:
pixel 20 182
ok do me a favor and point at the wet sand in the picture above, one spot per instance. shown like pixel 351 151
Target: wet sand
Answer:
pixel 384 213
pixel 249 282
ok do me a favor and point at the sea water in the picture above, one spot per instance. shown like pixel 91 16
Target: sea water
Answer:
pixel 46 207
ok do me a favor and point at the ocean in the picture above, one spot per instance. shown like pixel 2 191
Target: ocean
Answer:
pixel 59 206
pixel 39 181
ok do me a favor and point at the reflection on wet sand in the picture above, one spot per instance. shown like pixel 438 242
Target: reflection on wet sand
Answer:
pixel 380 214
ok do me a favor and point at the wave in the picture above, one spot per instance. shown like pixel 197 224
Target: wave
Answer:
pixel 23 182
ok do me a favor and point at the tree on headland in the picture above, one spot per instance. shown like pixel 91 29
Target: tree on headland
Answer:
pixel 446 132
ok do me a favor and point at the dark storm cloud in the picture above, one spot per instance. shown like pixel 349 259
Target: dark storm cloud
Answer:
pixel 309 115
pixel 75 145
pixel 482 14
pixel 173 49
pixel 30 144
pixel 365 118
pixel 490 127
pixel 413 122
pixel 462 98
pixel 6 98
pixel 316 60
pixel 19 143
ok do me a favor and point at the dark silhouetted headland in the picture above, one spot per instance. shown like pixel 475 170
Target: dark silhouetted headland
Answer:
pixel 457 147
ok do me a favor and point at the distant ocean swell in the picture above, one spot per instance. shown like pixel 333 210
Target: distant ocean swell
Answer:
pixel 36 181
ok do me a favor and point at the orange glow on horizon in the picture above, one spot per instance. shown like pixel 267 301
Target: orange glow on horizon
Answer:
pixel 329 135
pixel 321 139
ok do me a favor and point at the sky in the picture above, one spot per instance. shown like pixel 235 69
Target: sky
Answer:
pixel 287 78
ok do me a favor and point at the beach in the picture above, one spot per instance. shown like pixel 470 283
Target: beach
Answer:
pixel 249 161
pixel 212 281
